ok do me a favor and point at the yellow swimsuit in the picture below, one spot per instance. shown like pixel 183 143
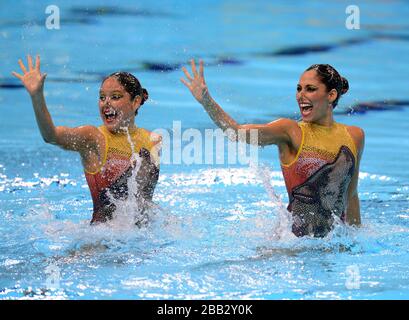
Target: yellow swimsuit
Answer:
pixel 317 179
pixel 111 178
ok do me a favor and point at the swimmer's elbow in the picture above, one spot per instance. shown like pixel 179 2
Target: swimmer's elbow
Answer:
pixel 245 133
pixel 49 140
pixel 49 136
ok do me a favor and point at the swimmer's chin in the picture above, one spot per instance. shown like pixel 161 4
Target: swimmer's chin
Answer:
pixel 307 119
pixel 117 127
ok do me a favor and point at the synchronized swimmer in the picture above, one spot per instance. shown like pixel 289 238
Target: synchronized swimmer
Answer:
pixel 319 157
pixel 106 152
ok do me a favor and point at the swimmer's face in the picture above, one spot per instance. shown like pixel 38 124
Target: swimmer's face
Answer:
pixel 313 98
pixel 116 107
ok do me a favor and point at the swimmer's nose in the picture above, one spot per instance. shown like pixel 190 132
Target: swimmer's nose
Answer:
pixel 299 96
pixel 107 102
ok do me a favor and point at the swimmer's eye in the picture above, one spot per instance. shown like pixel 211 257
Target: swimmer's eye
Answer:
pixel 116 97
pixel 102 98
pixel 308 88
pixel 311 89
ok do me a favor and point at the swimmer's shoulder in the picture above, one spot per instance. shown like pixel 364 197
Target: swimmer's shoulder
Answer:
pixel 81 137
pixel 284 122
pixel 286 125
pixel 358 135
pixel 285 133
pixel 90 130
pixel 92 134
pixel 153 137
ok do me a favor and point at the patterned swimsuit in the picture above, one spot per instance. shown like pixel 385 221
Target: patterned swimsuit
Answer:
pixel 110 181
pixel 317 179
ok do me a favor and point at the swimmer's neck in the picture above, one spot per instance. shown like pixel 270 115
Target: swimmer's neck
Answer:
pixel 125 129
pixel 326 123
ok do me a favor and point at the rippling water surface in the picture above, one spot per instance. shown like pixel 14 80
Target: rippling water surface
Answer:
pixel 218 231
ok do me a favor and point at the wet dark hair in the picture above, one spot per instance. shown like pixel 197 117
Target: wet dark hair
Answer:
pixel 131 85
pixel 332 79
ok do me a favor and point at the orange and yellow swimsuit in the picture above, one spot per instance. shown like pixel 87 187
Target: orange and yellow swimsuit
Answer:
pixel 317 179
pixel 110 180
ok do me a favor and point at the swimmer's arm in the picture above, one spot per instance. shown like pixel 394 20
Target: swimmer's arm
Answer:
pixel 156 149
pixel 75 139
pixel 43 117
pixel 81 139
pixel 353 215
pixel 199 90
pixel 276 132
pixel 78 139
pixel 33 81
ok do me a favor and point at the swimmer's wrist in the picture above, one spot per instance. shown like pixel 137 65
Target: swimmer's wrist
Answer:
pixel 206 98
pixel 38 99
pixel 37 95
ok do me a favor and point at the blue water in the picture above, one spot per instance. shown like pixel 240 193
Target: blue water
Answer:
pixel 217 232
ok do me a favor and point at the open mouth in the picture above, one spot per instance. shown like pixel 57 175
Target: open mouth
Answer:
pixel 306 108
pixel 110 114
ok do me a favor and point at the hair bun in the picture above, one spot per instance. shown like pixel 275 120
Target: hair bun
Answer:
pixel 345 85
pixel 145 95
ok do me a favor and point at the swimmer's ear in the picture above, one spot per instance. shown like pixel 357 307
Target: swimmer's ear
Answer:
pixel 136 103
pixel 332 95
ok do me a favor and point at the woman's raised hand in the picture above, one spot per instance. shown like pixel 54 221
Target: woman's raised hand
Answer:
pixel 32 79
pixel 195 84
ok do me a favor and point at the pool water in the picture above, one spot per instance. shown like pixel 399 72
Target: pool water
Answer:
pixel 219 231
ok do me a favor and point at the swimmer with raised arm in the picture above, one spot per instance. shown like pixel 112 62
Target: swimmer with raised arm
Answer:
pixel 319 157
pixel 107 152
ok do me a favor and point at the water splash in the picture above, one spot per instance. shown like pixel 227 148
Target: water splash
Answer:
pixel 133 209
pixel 282 228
